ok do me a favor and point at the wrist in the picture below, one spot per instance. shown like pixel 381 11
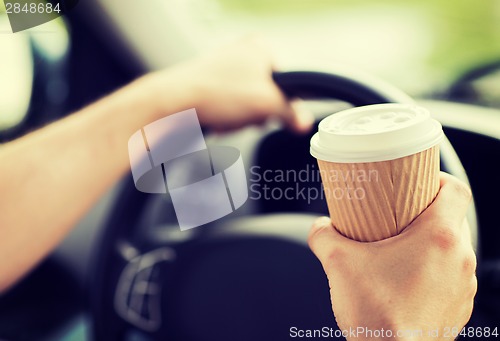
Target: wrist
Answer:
pixel 166 92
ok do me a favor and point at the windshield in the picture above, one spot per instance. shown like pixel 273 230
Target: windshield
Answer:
pixel 419 45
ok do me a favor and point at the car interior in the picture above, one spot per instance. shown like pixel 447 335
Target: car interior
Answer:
pixel 126 271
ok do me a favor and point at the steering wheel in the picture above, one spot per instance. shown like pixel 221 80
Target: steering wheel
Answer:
pixel 240 278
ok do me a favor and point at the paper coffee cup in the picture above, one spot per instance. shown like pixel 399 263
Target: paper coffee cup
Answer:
pixel 379 166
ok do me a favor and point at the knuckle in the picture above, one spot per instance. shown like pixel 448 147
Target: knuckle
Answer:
pixel 463 190
pixel 470 263
pixel 445 236
pixel 337 258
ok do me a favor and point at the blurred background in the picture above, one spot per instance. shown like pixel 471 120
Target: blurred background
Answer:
pixel 424 47
pixel 420 46
pixel 432 49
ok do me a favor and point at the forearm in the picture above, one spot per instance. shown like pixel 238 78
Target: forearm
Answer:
pixel 51 177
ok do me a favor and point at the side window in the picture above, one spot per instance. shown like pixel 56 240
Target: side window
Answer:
pixel 16 76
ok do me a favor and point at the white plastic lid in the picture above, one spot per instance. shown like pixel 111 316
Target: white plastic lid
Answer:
pixel 377 132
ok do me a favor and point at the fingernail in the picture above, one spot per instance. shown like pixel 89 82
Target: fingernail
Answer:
pixel 304 117
pixel 321 222
pixel 306 120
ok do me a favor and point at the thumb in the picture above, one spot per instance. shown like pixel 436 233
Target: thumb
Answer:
pixel 298 118
pixel 327 243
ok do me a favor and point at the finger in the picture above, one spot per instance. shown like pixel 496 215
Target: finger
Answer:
pixel 326 242
pixel 298 118
pixel 450 206
pixel 454 198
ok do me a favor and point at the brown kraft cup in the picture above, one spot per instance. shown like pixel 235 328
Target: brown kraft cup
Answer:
pixel 379 165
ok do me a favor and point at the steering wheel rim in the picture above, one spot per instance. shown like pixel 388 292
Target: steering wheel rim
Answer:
pixel 115 250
